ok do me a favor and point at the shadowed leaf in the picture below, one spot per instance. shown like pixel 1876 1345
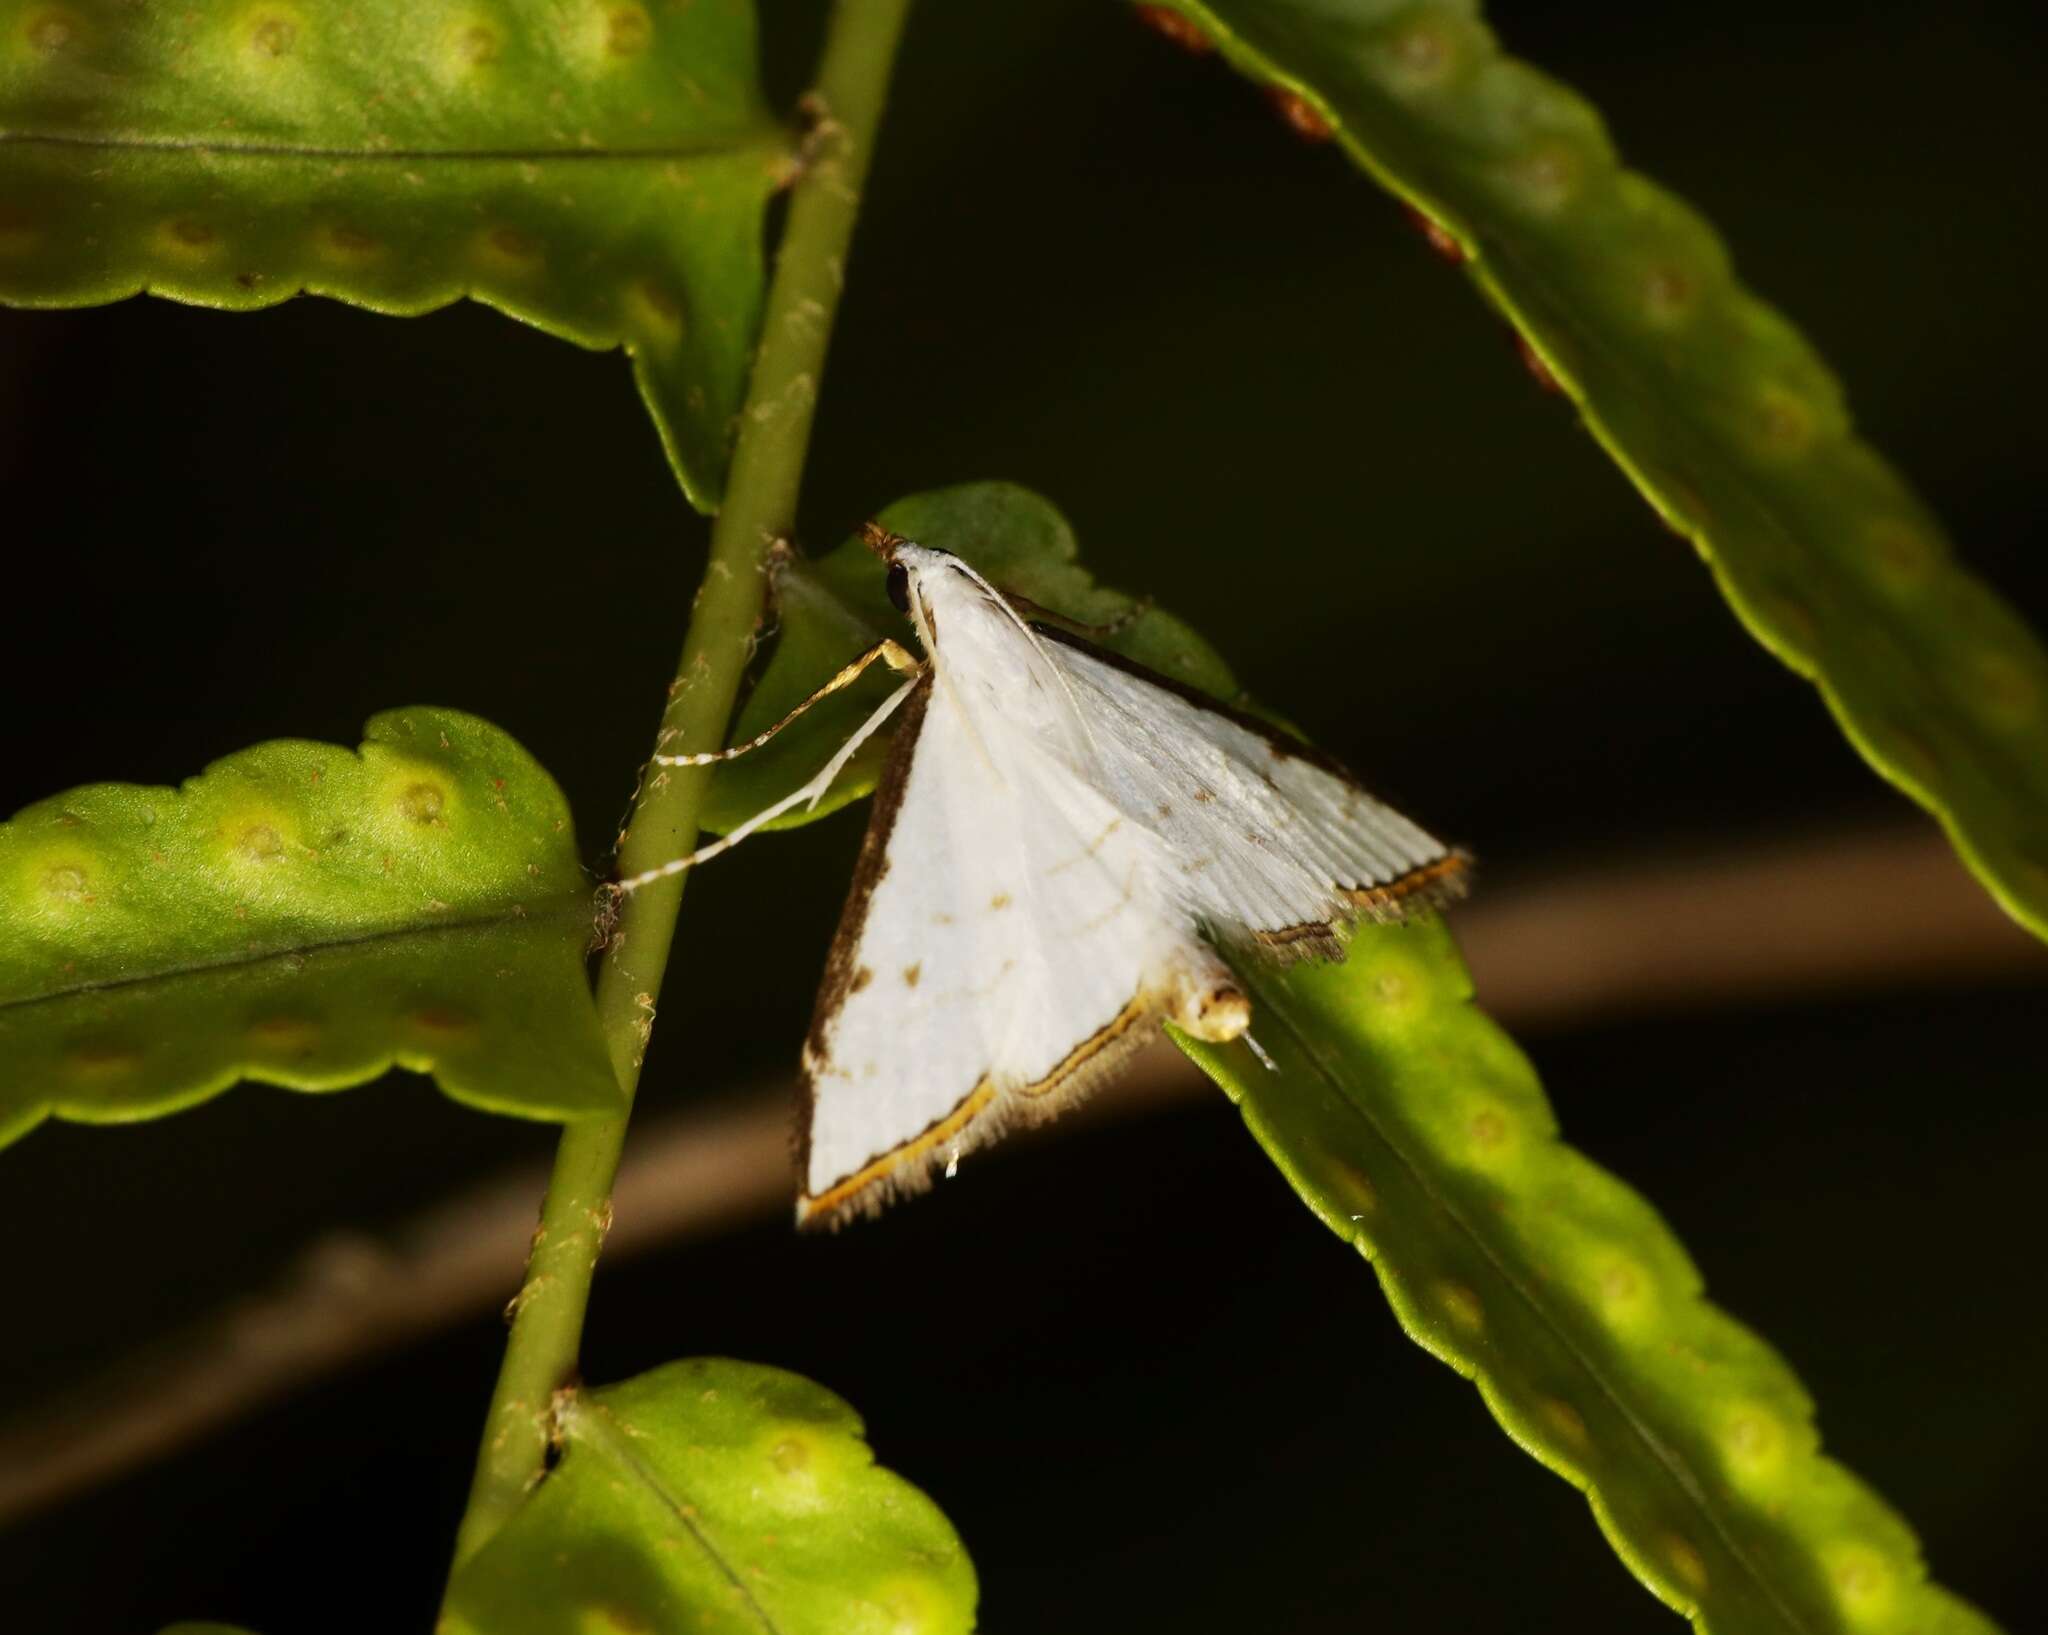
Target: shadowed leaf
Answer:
pixel 830 611
pixel 1710 402
pixel 716 1496
pixel 307 916
pixel 597 169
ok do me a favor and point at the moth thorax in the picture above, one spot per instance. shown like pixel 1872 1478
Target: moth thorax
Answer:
pixel 1216 1012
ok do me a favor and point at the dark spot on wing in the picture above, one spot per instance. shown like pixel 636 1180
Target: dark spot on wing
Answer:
pixel 861 978
pixel 1000 900
pixel 911 973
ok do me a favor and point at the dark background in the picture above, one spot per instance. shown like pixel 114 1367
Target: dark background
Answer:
pixel 1148 1389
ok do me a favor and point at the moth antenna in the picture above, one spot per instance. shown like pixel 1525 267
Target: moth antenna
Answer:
pixel 893 653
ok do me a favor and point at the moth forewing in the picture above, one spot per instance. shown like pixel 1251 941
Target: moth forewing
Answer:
pixel 1056 830
pixel 996 959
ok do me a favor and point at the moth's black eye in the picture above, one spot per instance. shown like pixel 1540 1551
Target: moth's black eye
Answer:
pixel 899 587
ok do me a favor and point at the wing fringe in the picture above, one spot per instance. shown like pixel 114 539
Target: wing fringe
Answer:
pixel 984 1115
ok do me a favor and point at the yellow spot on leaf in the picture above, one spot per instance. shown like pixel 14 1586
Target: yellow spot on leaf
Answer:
pixel 2003 690
pixel 473 43
pixel 1624 1289
pixel 628 30
pixel 99 1059
pixel 1865 1583
pixel 1461 1306
pixel 260 843
pixel 654 310
pixel 1686 1563
pixel 271 33
pixel 1422 56
pixel 1670 293
pixel 1785 423
pixel 1902 556
pixel 1567 1422
pixel 283 1035
pixel 1489 1129
pixel 351 244
pixel 52 29
pixel 423 803
pixel 1544 181
pixel 187 239
pixel 68 883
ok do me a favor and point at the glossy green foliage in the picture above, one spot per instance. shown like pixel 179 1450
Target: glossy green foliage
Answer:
pixel 709 1497
pixel 305 915
pixel 1715 407
pixel 830 611
pixel 598 168
pixel 1416 1130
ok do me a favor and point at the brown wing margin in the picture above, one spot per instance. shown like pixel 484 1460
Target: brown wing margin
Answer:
pixel 982 1115
pixel 1441 880
pixel 842 961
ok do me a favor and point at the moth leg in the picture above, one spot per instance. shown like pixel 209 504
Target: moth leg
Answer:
pixel 810 791
pixel 890 651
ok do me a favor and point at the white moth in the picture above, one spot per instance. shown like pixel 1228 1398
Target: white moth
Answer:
pixel 1061 844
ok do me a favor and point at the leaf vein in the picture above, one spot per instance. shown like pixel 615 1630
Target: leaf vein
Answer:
pixel 594 1424
pixel 514 912
pixel 1673 1465
pixel 717 148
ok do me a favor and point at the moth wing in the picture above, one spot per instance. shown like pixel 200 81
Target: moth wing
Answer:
pixel 1268 842
pixel 1001 950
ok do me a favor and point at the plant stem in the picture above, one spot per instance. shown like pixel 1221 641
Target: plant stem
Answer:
pixel 760 509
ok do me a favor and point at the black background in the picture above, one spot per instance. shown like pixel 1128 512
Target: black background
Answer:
pixel 1147 1388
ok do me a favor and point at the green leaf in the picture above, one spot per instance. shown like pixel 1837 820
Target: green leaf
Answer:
pixel 712 1496
pixel 1414 1129
pixel 307 916
pixel 598 168
pixel 830 611
pixel 1710 402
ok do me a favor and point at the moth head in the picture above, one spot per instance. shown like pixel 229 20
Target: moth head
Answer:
pixel 889 546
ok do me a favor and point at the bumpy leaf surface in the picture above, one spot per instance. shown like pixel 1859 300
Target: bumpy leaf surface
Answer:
pixel 1415 1130
pixel 1711 403
pixel 1413 1127
pixel 711 1497
pixel 598 168
pixel 304 915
